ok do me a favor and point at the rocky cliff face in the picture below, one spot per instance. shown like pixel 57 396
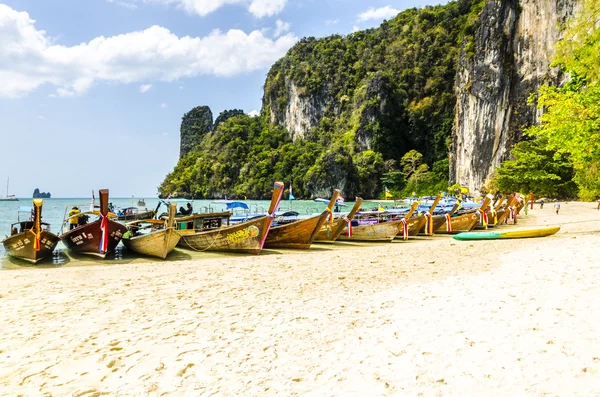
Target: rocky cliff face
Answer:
pixel 301 112
pixel 511 58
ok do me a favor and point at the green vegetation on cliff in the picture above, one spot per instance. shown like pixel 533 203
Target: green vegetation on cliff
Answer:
pixel 381 93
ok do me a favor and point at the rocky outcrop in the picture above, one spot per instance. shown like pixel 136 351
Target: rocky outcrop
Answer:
pixel 194 125
pixel 510 60
pixel 38 194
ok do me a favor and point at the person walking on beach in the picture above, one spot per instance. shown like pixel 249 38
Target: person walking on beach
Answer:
pixel 541 203
pixel 557 207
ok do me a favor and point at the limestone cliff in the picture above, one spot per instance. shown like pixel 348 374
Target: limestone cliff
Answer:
pixel 510 60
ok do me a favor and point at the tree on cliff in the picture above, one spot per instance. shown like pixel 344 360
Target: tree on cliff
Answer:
pixel 571 121
pixel 194 125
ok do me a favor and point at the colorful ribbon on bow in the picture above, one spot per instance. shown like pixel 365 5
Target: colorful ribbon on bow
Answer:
pixel 330 214
pixel 429 224
pixel 404 229
pixel 104 235
pixel 483 218
pixel 38 229
pixel 448 222
pixel 349 228
pixel 494 216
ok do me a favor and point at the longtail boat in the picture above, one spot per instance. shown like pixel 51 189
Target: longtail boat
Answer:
pixel 97 238
pixel 135 214
pixel 31 239
pixel 301 233
pixel 207 233
pixel 331 231
pixel 424 223
pixel 462 221
pixel 158 236
pixel 493 212
pixel 439 221
pixel 482 214
pixel 502 212
pixel 381 231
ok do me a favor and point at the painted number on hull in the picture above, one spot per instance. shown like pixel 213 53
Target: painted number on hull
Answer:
pixel 78 240
pixel 116 235
pixel 19 245
pixel 249 232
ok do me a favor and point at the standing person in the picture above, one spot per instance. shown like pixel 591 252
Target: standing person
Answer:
pixel 531 199
pixel 541 203
pixel 557 207
pixel 598 204
pixel 73 219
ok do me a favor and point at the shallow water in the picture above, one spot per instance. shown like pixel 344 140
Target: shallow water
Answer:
pixel 53 212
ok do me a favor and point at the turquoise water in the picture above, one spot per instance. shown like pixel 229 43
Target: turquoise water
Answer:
pixel 54 210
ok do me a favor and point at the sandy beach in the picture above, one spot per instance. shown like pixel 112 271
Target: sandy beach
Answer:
pixel 427 317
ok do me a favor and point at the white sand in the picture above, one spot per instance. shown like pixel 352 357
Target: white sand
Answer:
pixel 430 317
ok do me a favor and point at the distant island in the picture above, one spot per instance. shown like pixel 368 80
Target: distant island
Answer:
pixel 38 194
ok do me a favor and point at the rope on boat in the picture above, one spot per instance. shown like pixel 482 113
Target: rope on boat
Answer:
pixel 207 248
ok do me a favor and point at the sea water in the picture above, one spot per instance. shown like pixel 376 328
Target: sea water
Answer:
pixel 54 210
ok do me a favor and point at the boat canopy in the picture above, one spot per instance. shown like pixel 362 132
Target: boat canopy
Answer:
pixel 24 208
pixel 233 204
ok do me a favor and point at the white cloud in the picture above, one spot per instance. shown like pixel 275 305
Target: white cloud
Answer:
pixel 145 87
pixel 281 27
pixel 386 12
pixel 29 58
pixel 163 105
pixel 253 113
pixel 123 4
pixel 331 21
pixel 266 8
pixel 355 29
pixel 258 8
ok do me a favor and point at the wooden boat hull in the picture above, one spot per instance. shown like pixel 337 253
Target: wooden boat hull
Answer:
pixel 523 233
pixel 85 239
pixel 246 237
pixel 330 232
pixel 137 217
pixel 415 225
pixel 460 223
pixel 385 231
pixel 158 244
pixel 438 221
pixel 299 234
pixel 22 246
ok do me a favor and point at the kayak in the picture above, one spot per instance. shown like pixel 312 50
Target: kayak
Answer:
pixel 520 233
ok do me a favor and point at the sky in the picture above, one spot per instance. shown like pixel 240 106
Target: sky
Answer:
pixel 92 92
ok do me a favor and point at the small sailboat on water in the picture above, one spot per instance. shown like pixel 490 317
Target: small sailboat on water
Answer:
pixel 7 197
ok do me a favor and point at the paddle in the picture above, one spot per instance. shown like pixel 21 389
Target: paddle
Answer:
pixel 276 197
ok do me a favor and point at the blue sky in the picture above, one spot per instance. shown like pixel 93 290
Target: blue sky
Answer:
pixel 92 92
